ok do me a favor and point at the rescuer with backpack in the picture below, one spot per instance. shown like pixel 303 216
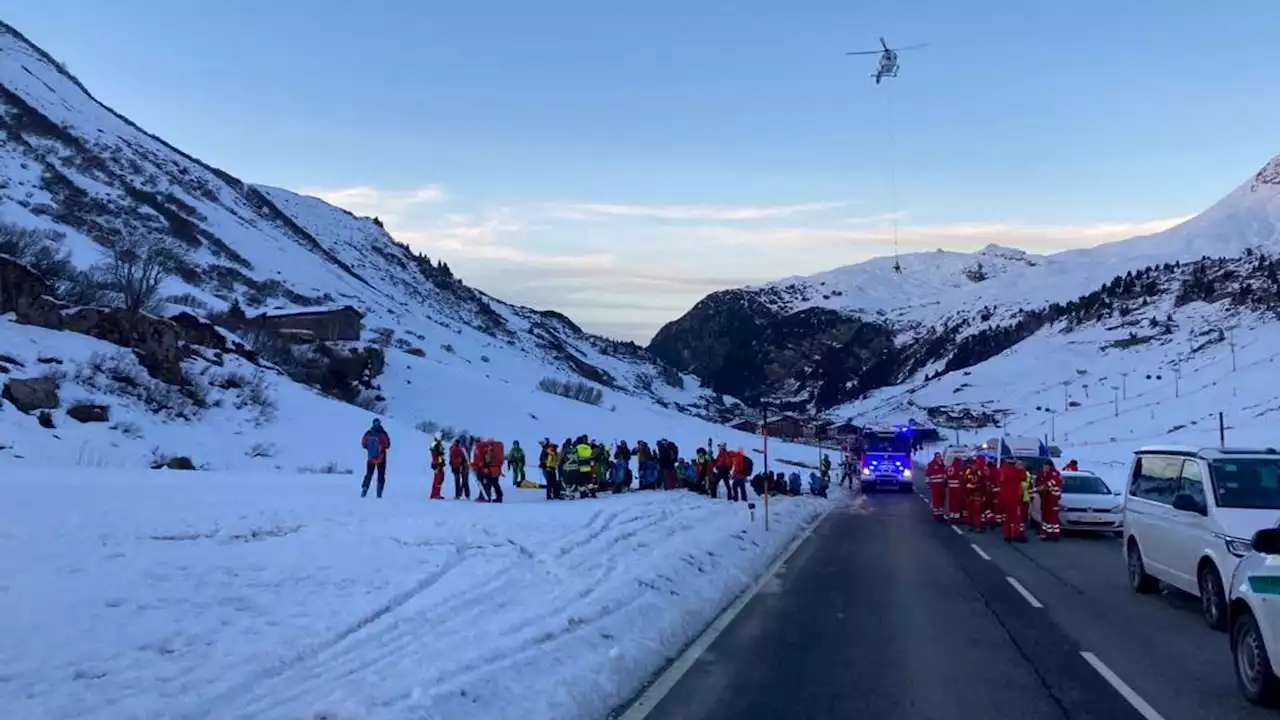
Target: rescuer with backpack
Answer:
pixel 376 442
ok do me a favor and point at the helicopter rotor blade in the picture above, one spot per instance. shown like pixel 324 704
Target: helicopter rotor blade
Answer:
pixel 883 44
pixel 912 47
pixel 866 52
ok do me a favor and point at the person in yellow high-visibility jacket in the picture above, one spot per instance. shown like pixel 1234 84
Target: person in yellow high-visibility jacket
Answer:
pixel 1026 490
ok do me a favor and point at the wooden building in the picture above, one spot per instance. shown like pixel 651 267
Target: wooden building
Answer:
pixel 323 323
pixel 745 425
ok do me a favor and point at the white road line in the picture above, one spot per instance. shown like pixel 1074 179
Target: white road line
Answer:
pixel 1144 709
pixel 663 684
pixel 981 553
pixel 957 529
pixel 1024 592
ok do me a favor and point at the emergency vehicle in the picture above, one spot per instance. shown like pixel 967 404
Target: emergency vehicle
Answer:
pixel 886 459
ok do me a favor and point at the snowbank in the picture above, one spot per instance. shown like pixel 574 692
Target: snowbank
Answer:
pixel 220 595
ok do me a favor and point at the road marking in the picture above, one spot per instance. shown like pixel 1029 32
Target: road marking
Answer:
pixel 1142 706
pixel 957 529
pixel 664 683
pixel 981 553
pixel 1026 594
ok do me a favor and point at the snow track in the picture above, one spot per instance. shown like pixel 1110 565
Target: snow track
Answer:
pixel 366 609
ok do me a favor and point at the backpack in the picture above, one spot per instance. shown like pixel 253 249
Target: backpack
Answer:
pixel 488 455
pixel 747 465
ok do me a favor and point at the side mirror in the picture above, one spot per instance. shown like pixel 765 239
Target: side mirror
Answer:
pixel 1187 503
pixel 1266 541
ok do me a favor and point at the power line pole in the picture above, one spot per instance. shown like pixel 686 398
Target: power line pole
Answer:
pixel 1231 341
pixel 1177 381
pixel 1066 394
pixel 1115 399
pixel 1124 384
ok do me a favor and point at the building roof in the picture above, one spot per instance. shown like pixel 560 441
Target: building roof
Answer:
pixel 313 310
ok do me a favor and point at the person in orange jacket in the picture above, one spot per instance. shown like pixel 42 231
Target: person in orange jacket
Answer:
pixel 486 461
pixel 1071 466
pixel 437 467
pixel 955 492
pixel 1050 492
pixel 376 442
pixel 935 475
pixel 461 473
pixel 740 468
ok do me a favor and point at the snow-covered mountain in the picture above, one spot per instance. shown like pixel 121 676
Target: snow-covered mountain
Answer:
pixel 447 353
pixel 829 338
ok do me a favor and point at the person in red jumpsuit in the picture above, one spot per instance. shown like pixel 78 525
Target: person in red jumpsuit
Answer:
pixel 975 481
pixel 1050 492
pixel 955 492
pixel 1072 466
pixel 1012 479
pixel 935 475
pixel 995 512
pixel 437 467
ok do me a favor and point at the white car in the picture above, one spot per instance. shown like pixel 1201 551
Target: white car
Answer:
pixel 1190 514
pixel 1253 617
pixel 1087 504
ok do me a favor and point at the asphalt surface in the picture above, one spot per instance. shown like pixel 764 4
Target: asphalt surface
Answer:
pixel 1158 644
pixel 884 614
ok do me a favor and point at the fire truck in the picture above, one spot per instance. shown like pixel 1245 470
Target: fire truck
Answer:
pixel 886 459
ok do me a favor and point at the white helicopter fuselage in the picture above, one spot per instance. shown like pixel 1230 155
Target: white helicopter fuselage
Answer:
pixel 888 65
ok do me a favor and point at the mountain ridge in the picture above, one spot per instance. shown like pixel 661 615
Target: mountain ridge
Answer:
pixel 920 315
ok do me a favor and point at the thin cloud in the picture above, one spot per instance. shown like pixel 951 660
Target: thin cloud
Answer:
pixel 384 204
pixel 606 211
pixel 1031 237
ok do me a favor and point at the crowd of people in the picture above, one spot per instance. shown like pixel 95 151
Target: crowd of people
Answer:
pixel 983 494
pixel 584 468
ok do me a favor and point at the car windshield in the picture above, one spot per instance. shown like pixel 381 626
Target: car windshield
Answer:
pixel 1084 485
pixel 1246 483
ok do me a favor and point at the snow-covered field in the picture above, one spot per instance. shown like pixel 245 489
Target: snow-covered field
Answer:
pixel 209 595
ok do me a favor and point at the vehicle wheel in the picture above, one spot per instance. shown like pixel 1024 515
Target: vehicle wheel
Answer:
pixel 1213 601
pixel 1257 682
pixel 1139 580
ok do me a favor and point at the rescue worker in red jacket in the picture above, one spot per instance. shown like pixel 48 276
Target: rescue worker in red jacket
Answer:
pixel 738 471
pixel 955 492
pixel 975 486
pixel 437 467
pixel 1071 466
pixel 935 474
pixel 995 512
pixel 1050 492
pixel 1012 482
pixel 723 465
pixel 461 473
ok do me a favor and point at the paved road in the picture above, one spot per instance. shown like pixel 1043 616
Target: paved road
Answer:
pixel 883 614
pixel 1159 644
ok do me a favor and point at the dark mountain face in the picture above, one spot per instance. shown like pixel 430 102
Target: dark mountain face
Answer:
pixel 742 347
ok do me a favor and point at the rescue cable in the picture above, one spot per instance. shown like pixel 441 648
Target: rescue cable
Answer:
pixel 893 179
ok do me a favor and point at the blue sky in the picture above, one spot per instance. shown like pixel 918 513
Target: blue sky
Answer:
pixel 618 160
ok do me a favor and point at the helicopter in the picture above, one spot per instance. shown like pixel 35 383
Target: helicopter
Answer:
pixel 888 59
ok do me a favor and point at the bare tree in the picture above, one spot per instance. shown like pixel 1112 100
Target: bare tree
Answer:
pixel 41 249
pixel 135 269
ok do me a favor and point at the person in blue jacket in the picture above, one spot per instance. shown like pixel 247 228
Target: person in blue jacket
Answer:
pixel 793 483
pixel 817 484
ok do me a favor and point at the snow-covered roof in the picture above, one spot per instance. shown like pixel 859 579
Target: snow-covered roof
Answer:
pixel 313 310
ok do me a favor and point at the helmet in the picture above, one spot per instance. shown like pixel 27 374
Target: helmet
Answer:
pixel 438 435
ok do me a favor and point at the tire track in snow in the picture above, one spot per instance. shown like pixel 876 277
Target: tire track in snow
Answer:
pixel 213 706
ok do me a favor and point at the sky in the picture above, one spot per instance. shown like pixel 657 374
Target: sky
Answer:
pixel 617 161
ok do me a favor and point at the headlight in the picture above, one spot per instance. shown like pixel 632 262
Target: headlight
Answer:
pixel 1237 546
pixel 866 471
pixel 906 473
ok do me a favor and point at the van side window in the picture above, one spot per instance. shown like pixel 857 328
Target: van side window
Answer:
pixel 1191 481
pixel 1156 478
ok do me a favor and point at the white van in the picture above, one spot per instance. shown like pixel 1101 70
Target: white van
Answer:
pixel 1190 514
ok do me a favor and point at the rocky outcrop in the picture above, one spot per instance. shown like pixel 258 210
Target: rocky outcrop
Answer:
pixel 743 347
pixel 88 413
pixel 32 394
pixel 162 344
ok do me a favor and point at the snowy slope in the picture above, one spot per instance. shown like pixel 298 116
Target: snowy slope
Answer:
pixel 71 163
pixel 936 285
pixel 278 597
pixel 1099 392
